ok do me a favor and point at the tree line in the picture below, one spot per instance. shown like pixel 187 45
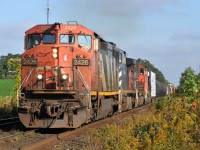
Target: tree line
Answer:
pixel 8 65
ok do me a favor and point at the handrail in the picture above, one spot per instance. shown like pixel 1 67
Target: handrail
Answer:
pixel 82 79
pixel 25 79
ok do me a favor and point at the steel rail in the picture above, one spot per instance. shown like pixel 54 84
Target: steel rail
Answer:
pixel 9 121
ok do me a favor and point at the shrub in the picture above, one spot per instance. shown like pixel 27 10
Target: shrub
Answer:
pixel 175 126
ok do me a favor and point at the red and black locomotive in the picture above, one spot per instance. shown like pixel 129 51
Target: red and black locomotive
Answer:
pixel 72 76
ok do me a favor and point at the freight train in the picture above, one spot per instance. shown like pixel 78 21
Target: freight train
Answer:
pixel 72 76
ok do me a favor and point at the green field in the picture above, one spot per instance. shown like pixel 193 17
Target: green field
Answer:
pixel 6 87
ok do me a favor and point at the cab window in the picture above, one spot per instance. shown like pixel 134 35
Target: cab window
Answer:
pixel 33 40
pixel 49 38
pixel 141 71
pixel 67 38
pixel 85 41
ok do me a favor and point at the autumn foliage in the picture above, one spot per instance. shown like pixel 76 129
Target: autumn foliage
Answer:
pixel 173 123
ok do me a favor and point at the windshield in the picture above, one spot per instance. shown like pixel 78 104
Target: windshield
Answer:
pixel 67 38
pixel 85 41
pixel 33 40
pixel 49 39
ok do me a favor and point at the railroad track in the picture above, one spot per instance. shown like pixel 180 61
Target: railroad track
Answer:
pixel 46 139
pixel 47 143
pixel 9 121
pixel 6 125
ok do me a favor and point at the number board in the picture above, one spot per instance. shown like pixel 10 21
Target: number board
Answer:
pixel 29 62
pixel 81 62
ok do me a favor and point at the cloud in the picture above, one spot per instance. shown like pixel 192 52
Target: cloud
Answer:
pixel 186 37
pixel 112 19
pixel 118 8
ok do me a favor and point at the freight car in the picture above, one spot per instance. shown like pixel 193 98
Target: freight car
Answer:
pixel 72 76
pixel 163 89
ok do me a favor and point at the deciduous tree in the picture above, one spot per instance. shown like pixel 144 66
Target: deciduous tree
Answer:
pixel 188 84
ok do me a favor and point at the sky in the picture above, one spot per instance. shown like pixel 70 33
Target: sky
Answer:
pixel 164 32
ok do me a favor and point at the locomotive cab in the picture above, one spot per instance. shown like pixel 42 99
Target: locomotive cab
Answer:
pixel 144 94
pixel 52 52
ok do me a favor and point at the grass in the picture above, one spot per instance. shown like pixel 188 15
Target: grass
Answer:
pixel 6 87
pixel 8 102
pixel 8 107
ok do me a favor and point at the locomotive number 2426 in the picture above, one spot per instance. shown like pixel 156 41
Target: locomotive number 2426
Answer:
pixel 81 62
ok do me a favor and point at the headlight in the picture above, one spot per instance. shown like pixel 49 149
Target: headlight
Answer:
pixel 55 50
pixel 64 76
pixel 39 76
pixel 55 55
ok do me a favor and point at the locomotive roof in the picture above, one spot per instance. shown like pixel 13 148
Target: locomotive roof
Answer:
pixel 43 27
